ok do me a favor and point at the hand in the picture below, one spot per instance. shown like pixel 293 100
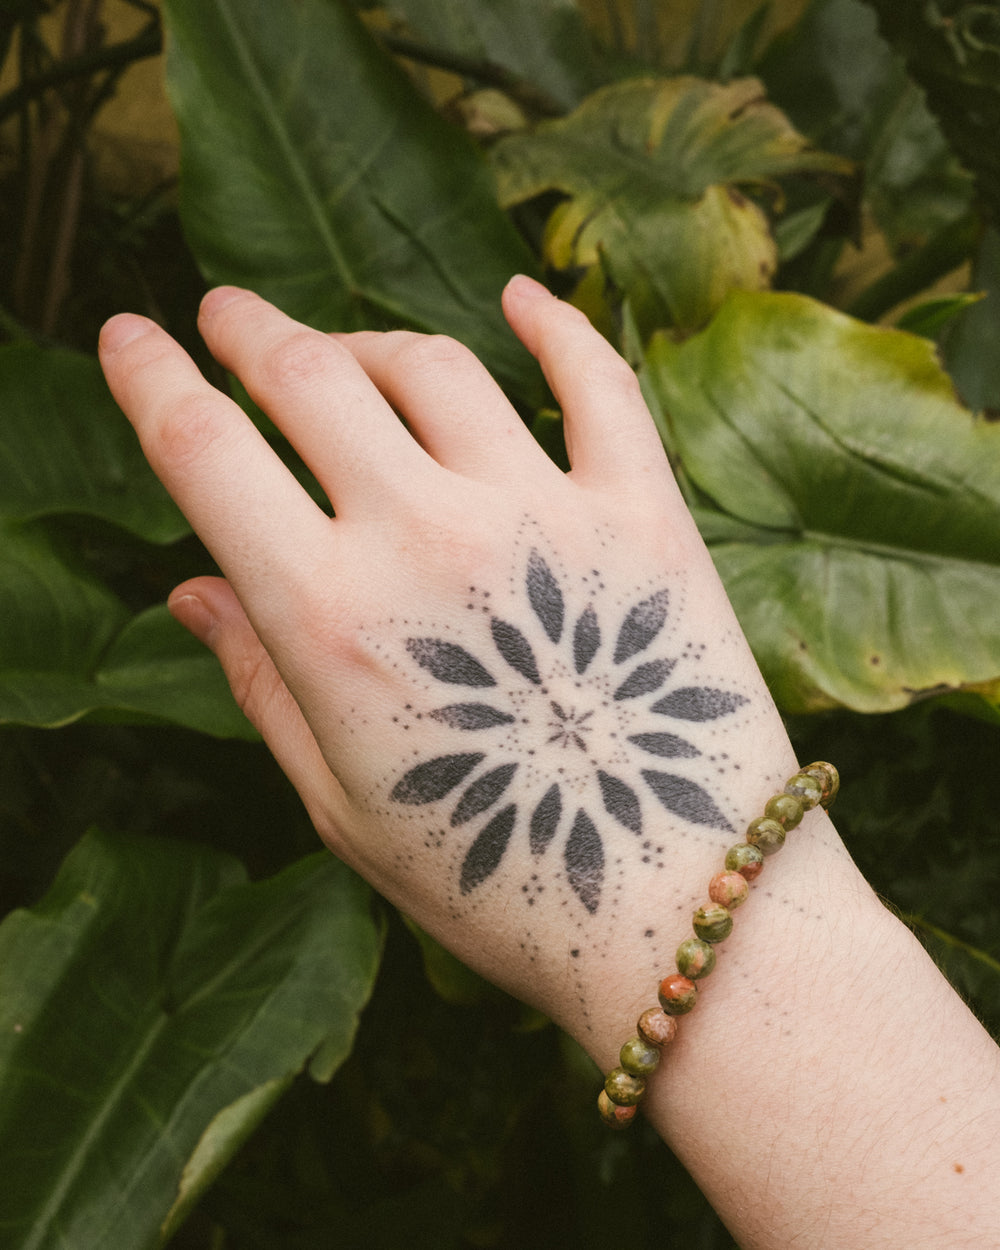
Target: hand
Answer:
pixel 516 700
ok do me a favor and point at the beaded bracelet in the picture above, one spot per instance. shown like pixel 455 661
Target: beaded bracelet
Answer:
pixel 625 1085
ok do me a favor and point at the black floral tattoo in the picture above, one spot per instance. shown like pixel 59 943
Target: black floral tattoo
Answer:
pixel 599 752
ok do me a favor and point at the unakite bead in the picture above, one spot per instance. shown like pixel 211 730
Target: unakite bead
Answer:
pixel 678 994
pixel 695 958
pixel 745 859
pixel 729 888
pixel 786 809
pixel 624 1088
pixel 806 788
pixel 712 923
pixel 828 777
pixel 614 1114
pixel 766 835
pixel 638 1057
pixel 656 1026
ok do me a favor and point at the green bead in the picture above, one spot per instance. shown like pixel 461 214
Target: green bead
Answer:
pixel 786 809
pixel 806 788
pixel 624 1088
pixel 713 923
pixel 638 1057
pixel 829 779
pixel 745 859
pixel 695 958
pixel 766 835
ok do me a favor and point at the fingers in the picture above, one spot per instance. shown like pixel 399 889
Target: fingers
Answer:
pixel 262 528
pixel 610 436
pixel 451 404
pixel 319 396
pixel 209 608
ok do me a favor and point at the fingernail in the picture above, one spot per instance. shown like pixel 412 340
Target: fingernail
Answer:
pixel 217 299
pixel 123 329
pixel 192 613
pixel 528 288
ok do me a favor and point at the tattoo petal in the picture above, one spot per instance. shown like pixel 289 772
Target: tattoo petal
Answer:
pixel 483 793
pixel 686 799
pixel 620 801
pixel 545 820
pixel 435 778
pixel 545 596
pixel 584 858
pixel 471 716
pixel 698 703
pixel 669 746
pixel 484 855
pixel 449 662
pixel 641 626
pixel 586 639
pixel 516 650
pixel 646 678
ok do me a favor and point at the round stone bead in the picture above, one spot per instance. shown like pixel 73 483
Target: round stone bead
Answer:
pixel 712 923
pixel 656 1027
pixel 745 859
pixel 828 777
pixel 624 1088
pixel 766 834
pixel 678 994
pixel 614 1114
pixel 786 809
pixel 806 788
pixel 729 889
pixel 638 1057
pixel 695 958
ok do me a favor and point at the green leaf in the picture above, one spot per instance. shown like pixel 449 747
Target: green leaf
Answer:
pixel 151 990
pixel 930 316
pixel 315 173
pixel 69 648
pixel 657 172
pixel 873 578
pixel 66 448
pixel 544 43
pixel 970 342
pixel 953 51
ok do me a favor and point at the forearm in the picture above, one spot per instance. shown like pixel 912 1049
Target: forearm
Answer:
pixel 831 1089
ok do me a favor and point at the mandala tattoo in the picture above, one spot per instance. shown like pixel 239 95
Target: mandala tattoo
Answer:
pixel 618 742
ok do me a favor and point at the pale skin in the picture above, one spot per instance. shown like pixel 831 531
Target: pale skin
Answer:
pixel 518 702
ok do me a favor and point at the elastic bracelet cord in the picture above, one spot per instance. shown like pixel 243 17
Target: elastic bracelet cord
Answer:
pixel 625 1085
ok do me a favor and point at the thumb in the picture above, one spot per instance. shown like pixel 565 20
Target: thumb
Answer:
pixel 209 609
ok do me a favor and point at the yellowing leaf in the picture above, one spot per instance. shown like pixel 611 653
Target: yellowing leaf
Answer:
pixel 656 172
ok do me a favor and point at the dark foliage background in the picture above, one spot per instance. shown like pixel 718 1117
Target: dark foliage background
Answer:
pixel 212 1034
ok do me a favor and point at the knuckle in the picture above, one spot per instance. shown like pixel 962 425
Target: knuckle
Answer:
pixel 189 430
pixel 296 359
pixel 431 355
pixel 255 684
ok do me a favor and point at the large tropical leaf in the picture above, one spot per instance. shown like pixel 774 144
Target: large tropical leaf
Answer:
pixel 68 647
pixel 657 174
pixel 66 448
pixel 857 503
pixel 315 173
pixel 152 1007
pixel 543 44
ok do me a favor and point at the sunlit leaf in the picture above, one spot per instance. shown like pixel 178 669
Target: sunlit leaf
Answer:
pixel 151 990
pixel 658 175
pixel 858 503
